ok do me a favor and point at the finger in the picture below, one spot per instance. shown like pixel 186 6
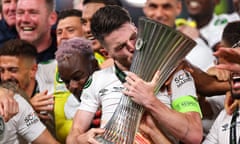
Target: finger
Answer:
pixel 44 108
pixel 16 107
pixel 98 130
pixel 1 109
pixel 6 109
pixel 156 77
pixel 44 116
pixel 133 76
pixel 93 141
pixel 233 106
pixel 43 97
pixel 129 80
pixel 42 102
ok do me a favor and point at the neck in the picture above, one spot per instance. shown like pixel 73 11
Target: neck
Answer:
pixel 44 43
pixel 202 20
pixel 31 88
pixel 121 67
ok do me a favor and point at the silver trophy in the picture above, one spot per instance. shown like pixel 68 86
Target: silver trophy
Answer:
pixel 158 47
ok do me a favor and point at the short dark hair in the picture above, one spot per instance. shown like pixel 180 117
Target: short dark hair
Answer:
pixel 108 19
pixel 106 2
pixel 18 48
pixel 68 13
pixel 231 33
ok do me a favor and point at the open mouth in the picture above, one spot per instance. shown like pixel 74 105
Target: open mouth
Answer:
pixel 27 29
pixel 91 38
pixel 193 4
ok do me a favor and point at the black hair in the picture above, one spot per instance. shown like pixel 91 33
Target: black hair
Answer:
pixel 106 2
pixel 231 33
pixel 108 19
pixel 18 48
pixel 68 13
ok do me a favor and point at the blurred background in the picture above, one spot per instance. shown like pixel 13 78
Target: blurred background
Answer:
pixel 135 7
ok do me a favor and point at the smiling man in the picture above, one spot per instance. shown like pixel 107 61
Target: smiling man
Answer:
pixel 209 25
pixel 8 21
pixel 34 21
pixel 89 8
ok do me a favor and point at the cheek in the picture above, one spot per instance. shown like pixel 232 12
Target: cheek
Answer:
pixel 84 28
pixel 149 13
pixel 58 40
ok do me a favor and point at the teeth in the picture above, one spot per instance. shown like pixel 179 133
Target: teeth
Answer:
pixel 91 38
pixel 194 4
pixel 27 28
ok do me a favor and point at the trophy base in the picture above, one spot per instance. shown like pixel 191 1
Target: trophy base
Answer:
pixel 101 140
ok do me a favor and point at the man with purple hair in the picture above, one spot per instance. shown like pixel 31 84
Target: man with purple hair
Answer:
pixel 75 63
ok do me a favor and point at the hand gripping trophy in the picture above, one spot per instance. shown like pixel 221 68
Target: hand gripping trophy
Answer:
pixel 158 47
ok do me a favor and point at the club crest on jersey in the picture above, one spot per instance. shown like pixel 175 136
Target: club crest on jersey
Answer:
pixel 58 78
pixel 182 78
pixel 88 83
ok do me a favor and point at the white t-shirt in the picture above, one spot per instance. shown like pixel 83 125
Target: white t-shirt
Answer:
pixel 105 89
pixel 220 131
pixel 201 55
pixel 45 76
pixel 212 32
pixel 25 123
pixel 217 105
pixel 71 106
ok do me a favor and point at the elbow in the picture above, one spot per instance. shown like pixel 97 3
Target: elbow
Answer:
pixel 195 137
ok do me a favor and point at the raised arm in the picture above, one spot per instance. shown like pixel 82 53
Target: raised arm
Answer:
pixel 81 124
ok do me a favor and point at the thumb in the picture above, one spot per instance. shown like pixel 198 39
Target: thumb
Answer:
pixel 155 78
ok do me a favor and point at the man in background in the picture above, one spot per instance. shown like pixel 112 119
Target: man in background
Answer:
pixel 34 21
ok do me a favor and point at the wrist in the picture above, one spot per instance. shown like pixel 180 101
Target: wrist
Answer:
pixel 150 102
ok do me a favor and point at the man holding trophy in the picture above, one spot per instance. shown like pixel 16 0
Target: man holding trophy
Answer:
pixel 176 115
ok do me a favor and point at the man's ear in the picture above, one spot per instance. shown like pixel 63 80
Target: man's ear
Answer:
pixel 179 7
pixel 33 71
pixel 95 65
pixel 104 52
pixel 53 18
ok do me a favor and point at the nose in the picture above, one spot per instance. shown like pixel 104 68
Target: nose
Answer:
pixel 131 45
pixel 86 28
pixel 13 6
pixel 159 13
pixel 25 17
pixel 62 36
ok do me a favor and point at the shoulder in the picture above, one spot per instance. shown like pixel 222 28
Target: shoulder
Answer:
pixel 48 63
pixel 48 66
pixel 223 19
pixel 101 79
pixel 104 74
pixel 24 105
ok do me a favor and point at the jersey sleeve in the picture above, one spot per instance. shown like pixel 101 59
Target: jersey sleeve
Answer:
pixel 184 97
pixel 212 137
pixel 28 125
pixel 89 97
